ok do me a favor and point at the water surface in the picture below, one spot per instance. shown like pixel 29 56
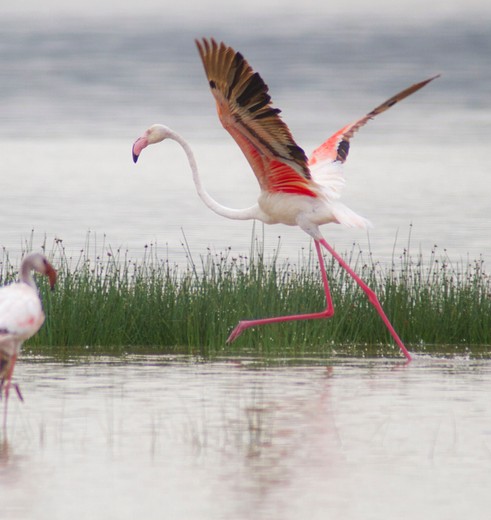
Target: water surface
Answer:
pixel 180 438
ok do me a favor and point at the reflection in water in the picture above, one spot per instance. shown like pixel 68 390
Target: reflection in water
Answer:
pixel 4 452
pixel 245 440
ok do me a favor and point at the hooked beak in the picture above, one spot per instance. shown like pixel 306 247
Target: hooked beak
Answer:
pixel 138 146
pixel 51 274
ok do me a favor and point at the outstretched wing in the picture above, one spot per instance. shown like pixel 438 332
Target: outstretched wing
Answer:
pixel 245 110
pixel 336 148
pixel 326 161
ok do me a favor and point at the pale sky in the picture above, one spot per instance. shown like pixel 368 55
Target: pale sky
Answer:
pixel 195 10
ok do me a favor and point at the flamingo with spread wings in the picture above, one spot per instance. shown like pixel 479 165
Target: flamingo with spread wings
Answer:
pixel 21 316
pixel 295 190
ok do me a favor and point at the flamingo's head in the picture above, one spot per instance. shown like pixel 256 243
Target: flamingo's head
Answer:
pixel 51 274
pixel 39 263
pixel 155 134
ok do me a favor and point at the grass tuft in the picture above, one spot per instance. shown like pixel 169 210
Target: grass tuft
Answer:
pixel 107 303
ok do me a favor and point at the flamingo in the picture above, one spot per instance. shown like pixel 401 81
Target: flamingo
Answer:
pixel 294 190
pixel 21 316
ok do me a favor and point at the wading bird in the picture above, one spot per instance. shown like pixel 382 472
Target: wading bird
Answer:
pixel 295 190
pixel 21 316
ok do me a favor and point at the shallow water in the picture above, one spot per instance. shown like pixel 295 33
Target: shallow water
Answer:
pixel 176 437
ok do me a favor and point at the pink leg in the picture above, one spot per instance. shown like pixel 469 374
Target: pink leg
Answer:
pixel 371 297
pixel 327 313
pixel 6 388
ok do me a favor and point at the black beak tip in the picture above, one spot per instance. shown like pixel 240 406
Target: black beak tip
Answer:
pixel 135 157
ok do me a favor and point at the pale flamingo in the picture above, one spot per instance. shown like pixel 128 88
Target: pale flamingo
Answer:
pixel 295 191
pixel 21 316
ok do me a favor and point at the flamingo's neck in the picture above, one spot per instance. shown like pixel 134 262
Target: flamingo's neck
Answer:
pixel 25 274
pixel 250 213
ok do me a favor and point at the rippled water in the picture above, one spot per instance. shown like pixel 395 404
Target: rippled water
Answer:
pixel 179 438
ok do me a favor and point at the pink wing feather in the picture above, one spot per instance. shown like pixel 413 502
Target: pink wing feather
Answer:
pixel 336 148
pixel 246 112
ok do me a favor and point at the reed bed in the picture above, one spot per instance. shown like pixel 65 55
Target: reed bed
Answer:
pixel 107 303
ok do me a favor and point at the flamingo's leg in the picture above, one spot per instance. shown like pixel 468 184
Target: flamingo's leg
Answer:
pixel 326 313
pixel 371 297
pixel 6 386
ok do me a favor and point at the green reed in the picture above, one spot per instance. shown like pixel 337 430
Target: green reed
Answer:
pixel 108 303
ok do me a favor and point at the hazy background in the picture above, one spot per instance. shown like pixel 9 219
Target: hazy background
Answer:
pixel 197 12
pixel 80 82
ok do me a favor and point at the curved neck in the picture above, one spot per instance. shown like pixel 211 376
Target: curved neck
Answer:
pixel 237 214
pixel 25 275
